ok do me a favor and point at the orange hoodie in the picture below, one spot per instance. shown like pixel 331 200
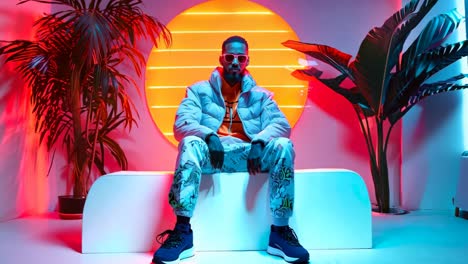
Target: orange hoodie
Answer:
pixel 232 125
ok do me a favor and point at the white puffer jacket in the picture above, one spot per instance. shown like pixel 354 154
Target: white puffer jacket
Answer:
pixel 202 110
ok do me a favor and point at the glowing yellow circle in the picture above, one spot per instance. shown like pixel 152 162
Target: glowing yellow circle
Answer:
pixel 198 34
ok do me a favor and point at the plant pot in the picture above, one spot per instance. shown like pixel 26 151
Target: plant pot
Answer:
pixel 70 206
pixel 392 210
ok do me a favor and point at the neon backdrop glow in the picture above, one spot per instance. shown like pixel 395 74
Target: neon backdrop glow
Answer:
pixel 197 36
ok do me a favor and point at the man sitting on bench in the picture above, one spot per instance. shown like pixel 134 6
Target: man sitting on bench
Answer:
pixel 230 124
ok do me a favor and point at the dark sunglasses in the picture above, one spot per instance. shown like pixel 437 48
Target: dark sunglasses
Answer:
pixel 240 58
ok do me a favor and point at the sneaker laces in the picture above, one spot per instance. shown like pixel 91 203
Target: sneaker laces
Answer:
pixel 290 236
pixel 173 238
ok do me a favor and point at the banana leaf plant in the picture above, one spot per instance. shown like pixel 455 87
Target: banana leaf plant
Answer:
pixel 79 95
pixel 388 80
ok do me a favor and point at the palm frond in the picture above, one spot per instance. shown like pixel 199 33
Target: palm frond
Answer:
pixel 94 4
pixel 116 151
pixel 423 67
pixel 129 54
pixel 435 32
pixel 429 89
pixel 77 4
pixel 433 61
pixel 391 81
pixel 376 57
pixel 353 95
pixel 417 61
pixel 426 90
pixel 408 25
pixel 334 57
pixel 79 95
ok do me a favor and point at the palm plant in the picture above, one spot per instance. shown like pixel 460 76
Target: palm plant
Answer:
pixel 78 93
pixel 389 80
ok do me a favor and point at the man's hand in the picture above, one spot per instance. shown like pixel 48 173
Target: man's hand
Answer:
pixel 254 158
pixel 216 150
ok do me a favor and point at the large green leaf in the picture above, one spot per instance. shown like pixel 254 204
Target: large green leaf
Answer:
pixel 450 84
pixel 423 67
pixel 378 55
pixel 403 85
pixel 353 94
pixel 335 58
pixel 435 32
pixel 390 82
pixel 425 90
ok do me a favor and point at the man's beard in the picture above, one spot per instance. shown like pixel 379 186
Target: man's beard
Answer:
pixel 233 76
pixel 237 76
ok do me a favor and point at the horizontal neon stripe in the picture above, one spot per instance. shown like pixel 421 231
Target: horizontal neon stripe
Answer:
pixel 283 86
pixel 176 106
pixel 184 86
pixel 226 31
pixel 211 67
pixel 292 106
pixel 228 13
pixel 218 50
pixel 166 86
pixel 164 106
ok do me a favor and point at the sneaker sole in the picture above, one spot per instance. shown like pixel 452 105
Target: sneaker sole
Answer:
pixel 185 254
pixel 277 252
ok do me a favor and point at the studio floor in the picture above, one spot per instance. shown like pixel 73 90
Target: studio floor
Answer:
pixel 418 237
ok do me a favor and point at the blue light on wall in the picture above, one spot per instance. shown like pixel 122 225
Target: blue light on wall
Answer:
pixel 461 6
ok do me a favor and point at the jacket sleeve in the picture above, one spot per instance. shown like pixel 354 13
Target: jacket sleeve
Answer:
pixel 274 123
pixel 188 117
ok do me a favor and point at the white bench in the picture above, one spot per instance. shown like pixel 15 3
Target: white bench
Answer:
pixel 124 211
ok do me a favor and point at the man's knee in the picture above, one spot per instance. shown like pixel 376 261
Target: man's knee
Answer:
pixel 193 140
pixel 283 143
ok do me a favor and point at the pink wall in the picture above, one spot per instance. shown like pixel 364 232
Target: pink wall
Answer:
pixel 327 135
pixel 24 188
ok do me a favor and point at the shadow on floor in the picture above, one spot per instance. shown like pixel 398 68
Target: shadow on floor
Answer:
pixel 68 236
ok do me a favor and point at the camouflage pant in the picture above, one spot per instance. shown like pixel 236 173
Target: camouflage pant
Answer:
pixel 193 161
